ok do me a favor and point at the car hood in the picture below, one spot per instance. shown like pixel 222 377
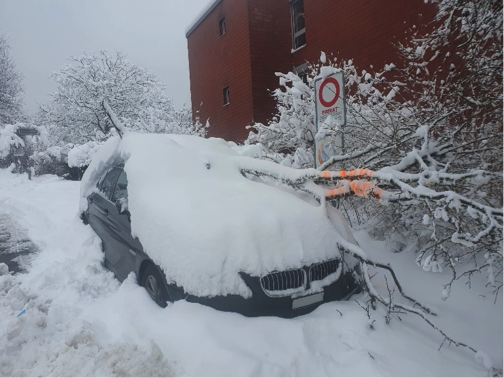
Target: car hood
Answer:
pixel 202 221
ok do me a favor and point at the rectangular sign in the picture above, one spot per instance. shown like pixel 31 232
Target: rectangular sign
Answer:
pixel 330 116
pixel 330 99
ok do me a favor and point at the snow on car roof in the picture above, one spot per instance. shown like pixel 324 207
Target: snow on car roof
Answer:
pixel 202 221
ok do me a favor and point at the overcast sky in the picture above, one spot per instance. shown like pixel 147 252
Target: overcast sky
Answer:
pixel 43 33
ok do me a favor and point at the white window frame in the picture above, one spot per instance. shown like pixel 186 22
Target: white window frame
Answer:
pixel 222 26
pixel 227 96
pixel 293 25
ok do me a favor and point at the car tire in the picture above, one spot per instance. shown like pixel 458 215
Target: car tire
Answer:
pixel 153 282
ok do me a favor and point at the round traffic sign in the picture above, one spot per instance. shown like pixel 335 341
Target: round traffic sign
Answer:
pixel 334 95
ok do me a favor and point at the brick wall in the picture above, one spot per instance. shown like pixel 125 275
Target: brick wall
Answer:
pixel 258 43
pixel 362 30
pixel 270 52
pixel 216 62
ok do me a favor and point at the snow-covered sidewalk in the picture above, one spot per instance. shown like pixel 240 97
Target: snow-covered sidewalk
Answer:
pixel 79 320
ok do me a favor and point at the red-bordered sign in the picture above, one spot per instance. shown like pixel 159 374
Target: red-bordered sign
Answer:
pixel 334 94
pixel 330 114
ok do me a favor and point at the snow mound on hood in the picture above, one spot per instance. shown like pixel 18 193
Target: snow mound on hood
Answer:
pixel 202 221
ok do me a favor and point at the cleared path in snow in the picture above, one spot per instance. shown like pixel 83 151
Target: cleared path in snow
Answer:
pixel 15 246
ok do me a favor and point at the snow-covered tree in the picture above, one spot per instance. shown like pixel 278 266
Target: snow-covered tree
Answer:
pixel 136 95
pixel 432 135
pixel 10 86
pixel 289 136
pixel 441 135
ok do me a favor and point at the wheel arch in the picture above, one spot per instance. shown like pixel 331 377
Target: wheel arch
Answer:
pixel 143 266
pixel 174 291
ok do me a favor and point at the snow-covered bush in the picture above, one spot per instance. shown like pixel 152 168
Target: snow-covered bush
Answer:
pixel 9 139
pixel 37 155
pixel 431 133
pixel 52 160
pixel 66 160
pixel 289 136
pixel 19 143
pixel 136 95
pixel 80 155
pixel 454 85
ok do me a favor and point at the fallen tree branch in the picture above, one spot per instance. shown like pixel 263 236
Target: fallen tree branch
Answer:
pixel 367 262
pixel 358 182
pixel 391 305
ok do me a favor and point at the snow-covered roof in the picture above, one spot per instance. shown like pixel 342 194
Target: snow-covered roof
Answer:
pixel 202 221
pixel 201 16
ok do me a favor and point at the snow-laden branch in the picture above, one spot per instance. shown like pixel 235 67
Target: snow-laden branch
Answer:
pixel 121 130
pixel 345 183
pixel 394 307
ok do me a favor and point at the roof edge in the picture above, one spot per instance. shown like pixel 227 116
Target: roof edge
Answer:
pixel 202 17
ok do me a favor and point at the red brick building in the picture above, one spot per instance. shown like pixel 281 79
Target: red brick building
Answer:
pixel 236 47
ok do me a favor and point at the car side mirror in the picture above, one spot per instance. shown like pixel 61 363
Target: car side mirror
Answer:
pixel 121 205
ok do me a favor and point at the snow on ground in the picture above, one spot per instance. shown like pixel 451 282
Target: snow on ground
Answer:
pixel 79 320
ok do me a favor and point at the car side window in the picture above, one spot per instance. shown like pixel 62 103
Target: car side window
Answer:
pixel 108 183
pixel 121 188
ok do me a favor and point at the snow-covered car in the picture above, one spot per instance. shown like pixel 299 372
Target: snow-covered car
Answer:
pixel 187 217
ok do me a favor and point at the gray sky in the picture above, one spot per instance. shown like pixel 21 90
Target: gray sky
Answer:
pixel 43 33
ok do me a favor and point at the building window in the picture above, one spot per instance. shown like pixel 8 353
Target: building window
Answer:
pixel 225 93
pixel 222 27
pixel 298 24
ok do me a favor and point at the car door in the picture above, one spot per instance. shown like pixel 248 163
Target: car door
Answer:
pixel 110 225
pixel 125 259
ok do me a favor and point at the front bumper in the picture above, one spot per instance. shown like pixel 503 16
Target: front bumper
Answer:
pixel 261 304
